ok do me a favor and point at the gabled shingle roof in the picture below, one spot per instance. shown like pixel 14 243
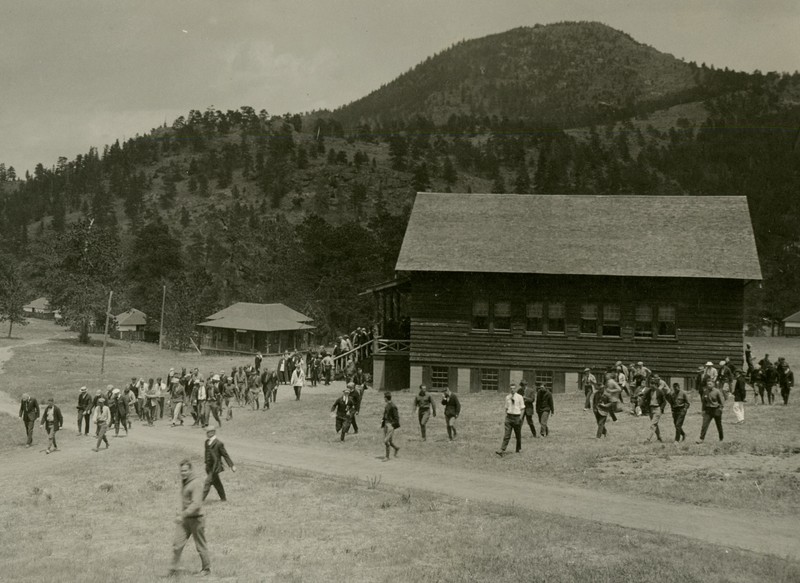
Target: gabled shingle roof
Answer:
pixel 132 317
pixel 259 318
pixel 645 236
pixel 39 304
pixel 794 318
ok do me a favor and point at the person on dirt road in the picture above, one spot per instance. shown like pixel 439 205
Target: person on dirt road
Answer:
pixel 84 410
pixel 344 410
pixel 190 520
pixel 29 413
pixel 425 405
pixel 298 380
pixel 52 422
pixel 390 422
pixel 215 452
pixel 514 408
pixel 102 417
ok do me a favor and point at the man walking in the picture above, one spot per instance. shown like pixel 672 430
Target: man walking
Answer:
pixel 679 403
pixel 84 410
pixel 589 383
pixel 298 380
pixel 786 381
pixel 29 413
pixel 514 406
pixel 654 400
pixel 52 422
pixel 102 417
pixel 190 520
pixel 390 422
pixel 215 453
pixel 712 409
pixel 739 397
pixel 344 408
pixel 423 403
pixel 544 408
pixel 600 405
pixel 452 409
pixel 119 405
pixel 529 398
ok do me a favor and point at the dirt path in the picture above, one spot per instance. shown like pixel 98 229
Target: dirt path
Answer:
pixel 728 528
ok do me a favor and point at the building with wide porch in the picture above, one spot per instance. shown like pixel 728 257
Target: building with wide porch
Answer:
pixel 131 324
pixel 505 287
pixel 249 328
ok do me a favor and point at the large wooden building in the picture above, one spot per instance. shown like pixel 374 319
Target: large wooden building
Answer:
pixel 504 287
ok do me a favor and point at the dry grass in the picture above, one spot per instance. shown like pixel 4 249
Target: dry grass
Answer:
pixel 757 465
pixel 99 520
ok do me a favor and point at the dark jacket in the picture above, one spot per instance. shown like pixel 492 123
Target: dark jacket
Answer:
pixel 343 408
pixel 646 398
pixel 29 410
pixel 678 400
pixel 544 401
pixel 58 420
pixel 391 415
pixel 452 406
pixel 740 390
pixel 713 399
pixel 215 453
pixel 84 402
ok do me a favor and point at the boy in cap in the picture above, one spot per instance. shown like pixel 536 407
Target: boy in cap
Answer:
pixel 51 421
pixel 344 408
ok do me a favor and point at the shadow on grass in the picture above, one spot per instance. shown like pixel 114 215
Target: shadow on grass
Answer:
pixel 93 342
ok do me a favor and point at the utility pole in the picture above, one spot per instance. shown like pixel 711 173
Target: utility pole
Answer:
pixel 105 334
pixel 161 332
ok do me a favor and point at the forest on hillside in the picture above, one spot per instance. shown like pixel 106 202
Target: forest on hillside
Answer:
pixel 305 210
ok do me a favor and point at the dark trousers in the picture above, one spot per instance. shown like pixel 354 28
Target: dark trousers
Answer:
pixel 161 407
pixel 51 435
pixel 587 391
pixel 601 424
pixel 83 418
pixel 708 415
pixel 543 417
pixel 29 425
pixel 191 527
pixel 450 421
pixel 297 390
pixel 512 423
pixel 123 420
pixel 678 416
pixel 529 418
pixel 770 394
pixel 785 394
pixel 212 479
pixel 343 425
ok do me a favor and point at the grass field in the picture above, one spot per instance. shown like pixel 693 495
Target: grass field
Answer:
pixel 758 464
pixel 100 520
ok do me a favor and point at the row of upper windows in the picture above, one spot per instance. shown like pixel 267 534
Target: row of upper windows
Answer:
pixel 595 319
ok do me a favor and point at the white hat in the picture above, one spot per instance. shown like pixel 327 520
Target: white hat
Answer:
pixel 709 363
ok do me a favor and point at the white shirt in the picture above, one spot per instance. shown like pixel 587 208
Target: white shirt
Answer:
pixel 515 404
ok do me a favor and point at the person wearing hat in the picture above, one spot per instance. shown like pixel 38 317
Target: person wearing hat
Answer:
pixel 679 404
pixel 102 417
pixel 298 379
pixel 529 398
pixel 589 384
pixel 29 413
pixel 710 373
pixel 190 520
pixel 258 360
pixel 514 407
pixel 600 406
pixel 84 410
pixel 452 409
pixel 724 377
pixel 52 422
pixel 344 409
pixel 785 381
pixel 739 396
pixel 215 452
pixel 355 395
pixel 424 405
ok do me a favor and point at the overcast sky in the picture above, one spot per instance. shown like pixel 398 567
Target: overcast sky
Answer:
pixel 81 73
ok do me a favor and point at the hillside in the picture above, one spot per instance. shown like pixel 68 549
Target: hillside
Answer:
pixel 242 205
pixel 563 74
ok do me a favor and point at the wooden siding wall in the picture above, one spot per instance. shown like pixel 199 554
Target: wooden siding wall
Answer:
pixel 709 316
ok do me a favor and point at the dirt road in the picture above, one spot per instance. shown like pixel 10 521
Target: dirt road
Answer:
pixel 728 528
